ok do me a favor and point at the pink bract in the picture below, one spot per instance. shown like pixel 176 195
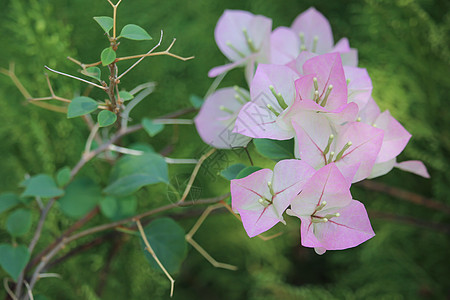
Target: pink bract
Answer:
pixel 262 197
pixel 330 218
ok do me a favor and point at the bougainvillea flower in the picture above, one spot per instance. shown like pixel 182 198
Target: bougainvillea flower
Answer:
pixel 272 91
pixel 359 85
pixel 330 218
pixel 311 32
pixel 244 39
pixel 262 197
pixel 353 147
pixel 216 118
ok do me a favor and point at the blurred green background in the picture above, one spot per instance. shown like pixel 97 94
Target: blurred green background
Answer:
pixel 404 44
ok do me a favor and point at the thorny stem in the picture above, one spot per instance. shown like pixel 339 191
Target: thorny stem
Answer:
pixel 206 255
pixel 150 250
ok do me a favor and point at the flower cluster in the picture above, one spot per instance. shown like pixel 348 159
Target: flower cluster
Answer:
pixel 304 87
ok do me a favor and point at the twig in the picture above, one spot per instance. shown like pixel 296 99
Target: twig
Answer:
pixel 180 160
pixel 206 255
pixel 214 85
pixel 125 150
pixel 126 112
pixel 173 121
pixel 153 254
pixel 77 78
pixel 65 240
pixel 30 293
pixel 194 173
pixel 8 289
pixel 165 52
pixel 114 16
pixel 142 58
pixel 404 195
pixel 90 138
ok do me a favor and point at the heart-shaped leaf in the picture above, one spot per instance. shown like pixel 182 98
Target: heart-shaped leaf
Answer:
pixel 274 149
pixel 232 171
pixel 151 128
pixel 106 118
pixel 134 32
pixel 106 23
pixel 125 96
pixel 82 195
pixel 81 106
pixel 108 56
pixel 63 176
pixel 93 72
pixel 19 222
pixel 43 186
pixel 13 259
pixel 167 239
pixel 7 201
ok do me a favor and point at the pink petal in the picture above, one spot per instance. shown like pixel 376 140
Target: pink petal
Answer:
pixel 369 112
pixel 380 169
pixel 312 23
pixel 284 45
pixel 299 61
pixel 359 87
pixel 329 71
pixel 257 222
pixel 348 230
pixel 216 71
pixel 414 166
pixel 366 143
pixel 215 125
pixel 257 121
pixel 349 55
pixel 395 137
pixel 229 29
pixel 327 184
pixel 289 177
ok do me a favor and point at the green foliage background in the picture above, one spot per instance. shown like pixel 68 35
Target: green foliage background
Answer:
pixel 404 44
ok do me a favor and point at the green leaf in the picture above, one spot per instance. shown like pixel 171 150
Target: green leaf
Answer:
pixel 93 72
pixel 7 201
pixel 13 259
pixel 118 208
pixel 125 96
pixel 134 32
pixel 151 128
pixel 247 171
pixel 106 23
pixel 82 195
pixel 19 222
pixel 273 149
pixel 108 56
pixel 232 171
pixel 168 241
pixel 196 101
pixel 63 176
pixel 80 106
pixel 43 186
pixel 130 173
pixel 106 118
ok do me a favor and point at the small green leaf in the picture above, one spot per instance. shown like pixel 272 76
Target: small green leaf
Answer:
pixel 247 171
pixel 232 171
pixel 106 118
pixel 82 195
pixel 93 72
pixel 118 208
pixel 7 201
pixel 125 96
pixel 167 239
pixel 43 186
pixel 13 259
pixel 134 32
pixel 130 173
pixel 106 23
pixel 63 176
pixel 108 56
pixel 81 106
pixel 151 128
pixel 19 222
pixel 276 150
pixel 196 101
